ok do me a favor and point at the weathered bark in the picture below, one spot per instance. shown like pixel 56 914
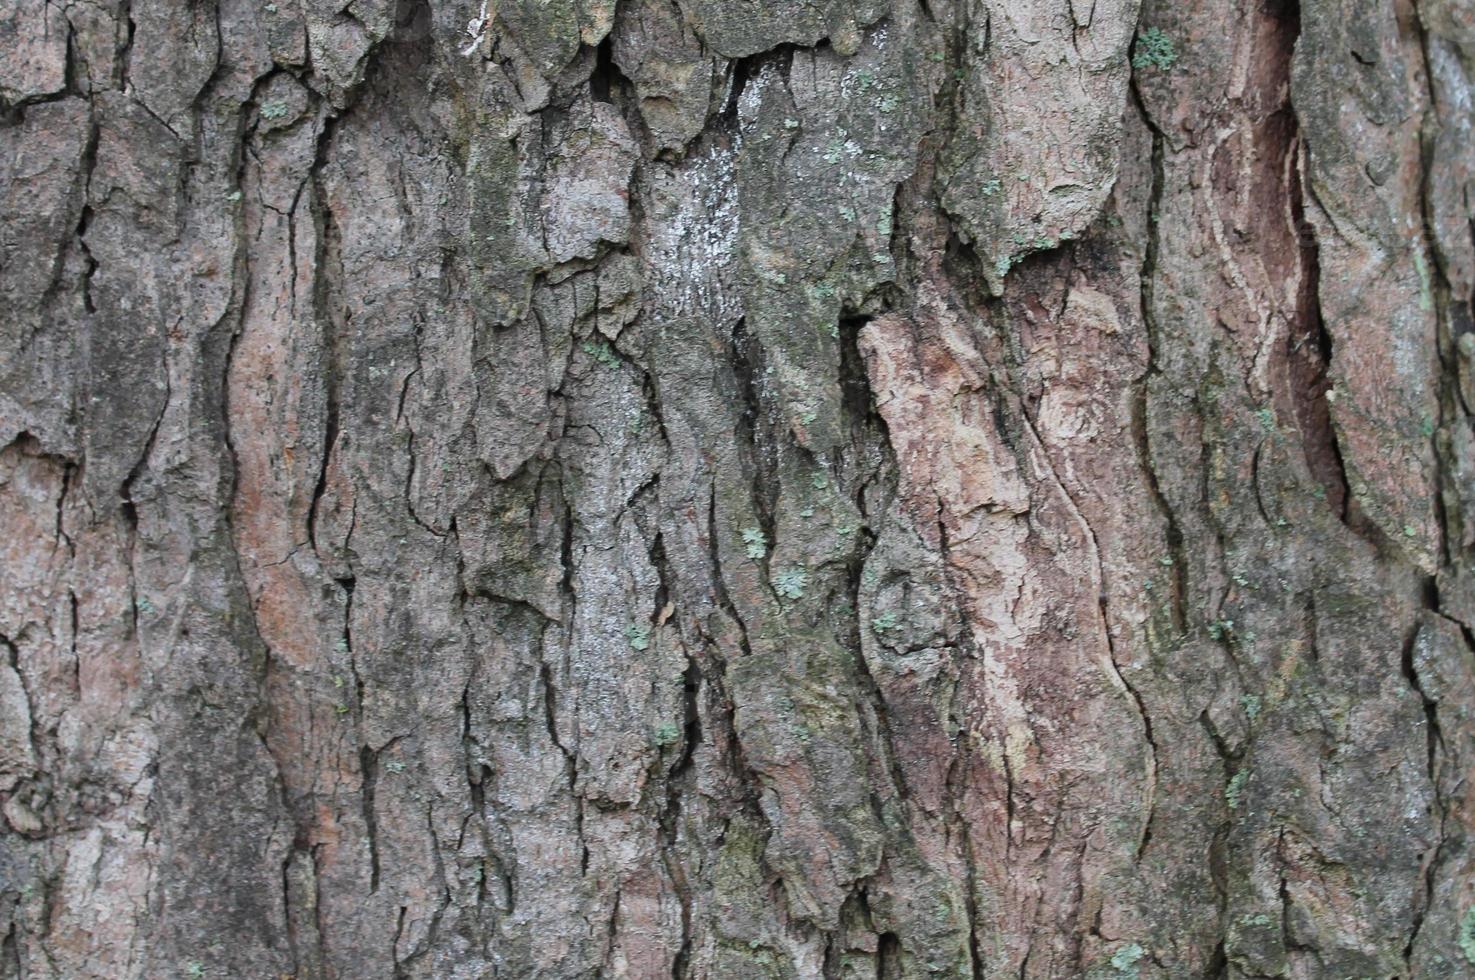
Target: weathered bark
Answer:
pixel 737 488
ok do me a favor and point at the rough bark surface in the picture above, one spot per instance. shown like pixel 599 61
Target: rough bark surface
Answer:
pixel 737 488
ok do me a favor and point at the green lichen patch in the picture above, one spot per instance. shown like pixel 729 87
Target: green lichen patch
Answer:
pixel 1234 792
pixel 638 636
pixel 1124 960
pixel 790 583
pixel 885 623
pixel 602 353
pixel 1154 49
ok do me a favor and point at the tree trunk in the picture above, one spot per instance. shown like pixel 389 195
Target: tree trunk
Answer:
pixel 737 488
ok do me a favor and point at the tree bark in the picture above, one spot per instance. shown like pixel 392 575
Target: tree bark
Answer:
pixel 737 488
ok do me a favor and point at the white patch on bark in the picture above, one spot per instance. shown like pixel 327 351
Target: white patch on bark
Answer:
pixel 476 29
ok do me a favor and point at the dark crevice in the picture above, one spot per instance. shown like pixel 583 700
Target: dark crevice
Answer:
pixel 1434 741
pixel 1285 900
pixel 1136 695
pixel 1218 851
pixel 960 258
pixel 888 957
pixel 740 71
pixel 679 778
pixel 1227 755
pixel 550 692
pixel 141 464
pixel 328 312
pixel 122 61
pixel 10 950
pixel 1142 403
pixel 369 768
pixel 744 70
pixel 1309 356
pixel 87 166
pixel 653 405
pixel 413 460
pixel 399 930
pixel 724 706
pixel 855 385
pixel 755 432
pixel 1218 967
pixel 605 79
pixel 884 731
pixel 307 957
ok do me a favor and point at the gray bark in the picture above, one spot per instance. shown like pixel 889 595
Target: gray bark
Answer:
pixel 737 488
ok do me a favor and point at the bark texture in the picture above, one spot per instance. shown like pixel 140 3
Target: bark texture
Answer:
pixel 737 489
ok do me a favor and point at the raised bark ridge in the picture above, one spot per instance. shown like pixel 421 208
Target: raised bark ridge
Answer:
pixel 737 488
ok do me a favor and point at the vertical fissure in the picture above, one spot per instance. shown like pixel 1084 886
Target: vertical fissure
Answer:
pixel 1142 402
pixel 1309 343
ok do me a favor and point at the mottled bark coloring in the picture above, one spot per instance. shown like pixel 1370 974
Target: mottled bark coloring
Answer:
pixel 737 489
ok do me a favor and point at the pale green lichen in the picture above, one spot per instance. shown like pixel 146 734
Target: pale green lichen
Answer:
pixel 1234 792
pixel 638 636
pixel 601 352
pixel 1154 50
pixel 1125 959
pixel 754 543
pixel 790 583
pixel 1467 934
pixel 885 622
pixel 667 734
